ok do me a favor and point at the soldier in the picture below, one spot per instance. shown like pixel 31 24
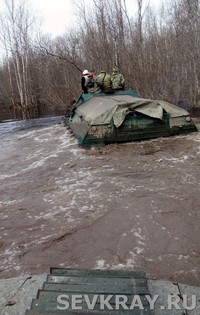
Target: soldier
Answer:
pixel 92 72
pixel 89 83
pixel 103 81
pixel 117 80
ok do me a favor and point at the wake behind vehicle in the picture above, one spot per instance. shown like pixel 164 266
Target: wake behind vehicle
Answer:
pixel 122 116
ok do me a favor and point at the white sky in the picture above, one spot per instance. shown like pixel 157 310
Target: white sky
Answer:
pixel 57 15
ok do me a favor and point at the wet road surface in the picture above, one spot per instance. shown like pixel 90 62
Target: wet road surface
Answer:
pixel 129 206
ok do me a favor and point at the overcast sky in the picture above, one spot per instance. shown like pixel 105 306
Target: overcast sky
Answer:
pixel 59 14
pixel 56 15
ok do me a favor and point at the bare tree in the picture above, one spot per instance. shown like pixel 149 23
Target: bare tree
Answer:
pixel 16 27
pixel 157 53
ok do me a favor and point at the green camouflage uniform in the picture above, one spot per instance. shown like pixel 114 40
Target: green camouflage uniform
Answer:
pixel 89 83
pixel 117 80
pixel 103 81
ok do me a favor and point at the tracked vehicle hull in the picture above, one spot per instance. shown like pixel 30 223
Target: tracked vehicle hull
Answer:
pixel 122 117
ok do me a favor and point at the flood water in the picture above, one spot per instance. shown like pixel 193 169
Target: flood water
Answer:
pixel 133 206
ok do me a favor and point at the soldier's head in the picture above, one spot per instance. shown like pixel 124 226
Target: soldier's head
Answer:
pixel 115 70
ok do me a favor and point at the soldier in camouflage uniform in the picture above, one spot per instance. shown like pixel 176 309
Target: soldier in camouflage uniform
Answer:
pixel 89 83
pixel 103 81
pixel 117 80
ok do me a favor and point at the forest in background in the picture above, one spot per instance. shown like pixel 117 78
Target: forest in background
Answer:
pixel 158 54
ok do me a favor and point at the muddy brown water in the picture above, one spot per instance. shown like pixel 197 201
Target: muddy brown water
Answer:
pixel 133 206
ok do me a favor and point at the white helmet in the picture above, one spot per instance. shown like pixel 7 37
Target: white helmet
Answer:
pixel 85 72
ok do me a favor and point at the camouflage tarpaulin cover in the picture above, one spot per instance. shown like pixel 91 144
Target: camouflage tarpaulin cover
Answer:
pixel 100 110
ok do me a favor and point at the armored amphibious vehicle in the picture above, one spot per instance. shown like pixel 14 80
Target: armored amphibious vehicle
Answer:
pixel 122 116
